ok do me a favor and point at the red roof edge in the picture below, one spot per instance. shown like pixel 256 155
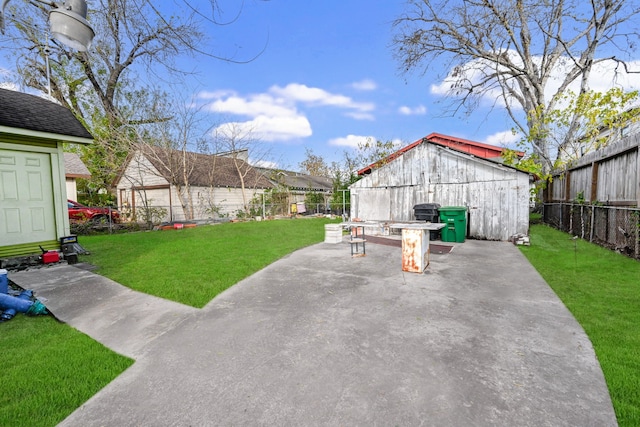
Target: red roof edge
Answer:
pixel 467 145
pixel 478 149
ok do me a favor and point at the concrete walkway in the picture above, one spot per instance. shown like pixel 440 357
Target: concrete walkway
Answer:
pixel 320 338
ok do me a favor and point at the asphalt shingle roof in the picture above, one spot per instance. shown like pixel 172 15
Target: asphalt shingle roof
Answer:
pixel 307 182
pixel 24 111
pixel 74 167
pixel 204 169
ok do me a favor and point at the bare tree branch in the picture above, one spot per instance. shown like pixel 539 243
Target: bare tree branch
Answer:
pixel 511 49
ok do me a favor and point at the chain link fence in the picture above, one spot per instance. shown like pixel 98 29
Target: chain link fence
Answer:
pixel 149 217
pixel 161 213
pixel 617 228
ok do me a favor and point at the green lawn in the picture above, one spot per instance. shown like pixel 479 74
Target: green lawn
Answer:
pixel 602 290
pixel 193 265
pixel 49 369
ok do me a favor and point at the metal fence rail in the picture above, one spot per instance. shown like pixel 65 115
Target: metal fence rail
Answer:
pixel 160 215
pixel 616 228
pixel 165 213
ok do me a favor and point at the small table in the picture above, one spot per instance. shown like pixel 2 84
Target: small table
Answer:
pixel 357 236
pixel 415 244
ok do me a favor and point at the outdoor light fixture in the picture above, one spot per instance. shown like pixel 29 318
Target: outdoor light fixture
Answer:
pixel 68 22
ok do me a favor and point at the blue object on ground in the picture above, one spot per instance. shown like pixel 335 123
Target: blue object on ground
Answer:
pixel 23 303
pixel 4 281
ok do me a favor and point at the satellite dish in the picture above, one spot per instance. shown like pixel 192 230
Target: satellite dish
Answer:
pixel 69 24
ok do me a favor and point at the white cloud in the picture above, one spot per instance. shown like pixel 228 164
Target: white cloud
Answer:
pixel 365 85
pixel 276 115
pixel 216 94
pixel 9 86
pixel 503 139
pixel 351 140
pixel 295 92
pixel 416 111
pixel 252 107
pixel 306 94
pixel 7 80
pixel 360 116
pixel 269 128
pixel 608 74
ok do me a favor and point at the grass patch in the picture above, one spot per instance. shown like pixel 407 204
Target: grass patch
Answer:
pixel 602 290
pixel 535 218
pixel 193 265
pixel 50 369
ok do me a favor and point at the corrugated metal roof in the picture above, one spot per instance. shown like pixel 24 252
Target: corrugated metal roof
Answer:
pixel 478 149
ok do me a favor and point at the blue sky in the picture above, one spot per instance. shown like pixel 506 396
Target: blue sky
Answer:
pixel 326 80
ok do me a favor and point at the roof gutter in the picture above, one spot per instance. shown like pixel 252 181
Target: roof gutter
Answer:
pixel 45 135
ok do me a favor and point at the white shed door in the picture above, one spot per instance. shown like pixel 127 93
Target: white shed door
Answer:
pixel 27 211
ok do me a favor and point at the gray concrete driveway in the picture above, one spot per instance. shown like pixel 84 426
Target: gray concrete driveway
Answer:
pixel 320 338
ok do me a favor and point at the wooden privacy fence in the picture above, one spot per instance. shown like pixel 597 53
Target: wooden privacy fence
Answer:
pixel 609 176
pixel 614 227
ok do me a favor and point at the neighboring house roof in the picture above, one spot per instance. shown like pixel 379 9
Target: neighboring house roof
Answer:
pixel 202 170
pixel 298 181
pixel 74 167
pixel 21 111
pixel 304 182
pixel 478 149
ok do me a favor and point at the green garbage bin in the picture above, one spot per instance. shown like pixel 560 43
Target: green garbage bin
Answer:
pixel 455 218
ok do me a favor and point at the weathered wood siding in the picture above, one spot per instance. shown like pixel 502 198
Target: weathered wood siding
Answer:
pixel 609 175
pixel 496 196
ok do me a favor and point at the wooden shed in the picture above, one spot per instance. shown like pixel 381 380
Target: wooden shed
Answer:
pixel 33 208
pixel 496 196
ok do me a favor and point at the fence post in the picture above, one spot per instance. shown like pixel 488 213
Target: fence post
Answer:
pixel 593 220
pixel 637 233
pixel 570 219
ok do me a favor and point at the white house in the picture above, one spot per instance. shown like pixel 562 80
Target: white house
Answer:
pixel 33 209
pixel 496 196
pixel 177 185
pixel 298 187
pixel 74 168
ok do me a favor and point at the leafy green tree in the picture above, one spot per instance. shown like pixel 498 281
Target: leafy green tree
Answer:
pixel 314 200
pixel 595 118
pixel 343 176
pixel 590 120
pixel 375 153
pixel 314 164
